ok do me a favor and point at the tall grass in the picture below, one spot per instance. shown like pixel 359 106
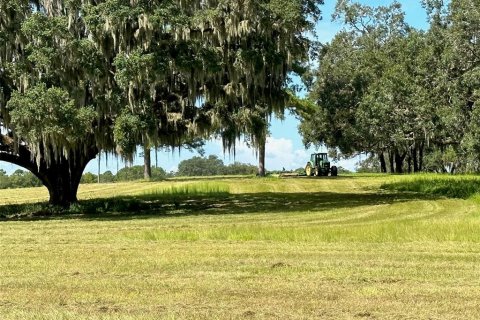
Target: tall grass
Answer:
pixel 190 189
pixel 462 187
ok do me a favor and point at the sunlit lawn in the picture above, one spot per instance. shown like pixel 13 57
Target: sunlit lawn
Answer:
pixel 246 248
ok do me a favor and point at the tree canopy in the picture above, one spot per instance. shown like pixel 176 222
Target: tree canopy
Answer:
pixel 407 97
pixel 82 76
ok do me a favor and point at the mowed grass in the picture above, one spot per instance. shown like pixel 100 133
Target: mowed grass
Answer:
pixel 356 247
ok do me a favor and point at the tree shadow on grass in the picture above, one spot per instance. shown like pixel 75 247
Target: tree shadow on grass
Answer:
pixel 214 203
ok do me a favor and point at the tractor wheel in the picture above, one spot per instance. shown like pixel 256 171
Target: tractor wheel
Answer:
pixel 334 171
pixel 317 172
pixel 308 170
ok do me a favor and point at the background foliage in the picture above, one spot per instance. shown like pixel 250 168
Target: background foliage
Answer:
pixel 407 97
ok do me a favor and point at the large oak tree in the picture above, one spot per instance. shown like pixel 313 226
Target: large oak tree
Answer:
pixel 82 76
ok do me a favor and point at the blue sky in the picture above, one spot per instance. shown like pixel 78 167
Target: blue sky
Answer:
pixel 284 146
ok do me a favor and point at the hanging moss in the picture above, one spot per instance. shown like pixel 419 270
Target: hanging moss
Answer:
pixel 182 67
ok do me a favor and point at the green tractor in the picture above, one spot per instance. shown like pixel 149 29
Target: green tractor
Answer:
pixel 320 166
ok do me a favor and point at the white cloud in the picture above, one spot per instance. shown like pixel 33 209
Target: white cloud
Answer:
pixel 278 148
pixel 279 153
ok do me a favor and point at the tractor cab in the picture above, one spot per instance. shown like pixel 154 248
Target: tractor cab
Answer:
pixel 318 158
pixel 319 165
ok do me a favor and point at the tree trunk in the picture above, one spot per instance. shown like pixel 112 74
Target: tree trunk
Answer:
pixel 391 161
pixel 383 164
pixel 409 161
pixel 61 177
pixel 399 162
pixel 147 173
pixel 261 157
pixel 415 159
pixel 420 157
pixel 99 165
pixel 62 183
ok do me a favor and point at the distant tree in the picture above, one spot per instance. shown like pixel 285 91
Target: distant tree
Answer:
pixel 137 173
pixel 89 177
pixel 4 180
pixel 23 179
pixel 254 123
pixel 130 173
pixel 238 168
pixel 147 162
pixel 158 174
pixel 200 166
pixel 211 166
pixel 107 177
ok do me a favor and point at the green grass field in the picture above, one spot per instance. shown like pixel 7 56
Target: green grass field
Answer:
pixel 355 247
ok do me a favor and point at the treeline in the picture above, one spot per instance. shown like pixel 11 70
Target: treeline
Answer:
pixel 213 166
pixel 408 98
pixel 196 166
pixel 18 179
pixel 125 174
pixel 25 179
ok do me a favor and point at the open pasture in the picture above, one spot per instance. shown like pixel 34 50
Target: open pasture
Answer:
pixel 356 247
